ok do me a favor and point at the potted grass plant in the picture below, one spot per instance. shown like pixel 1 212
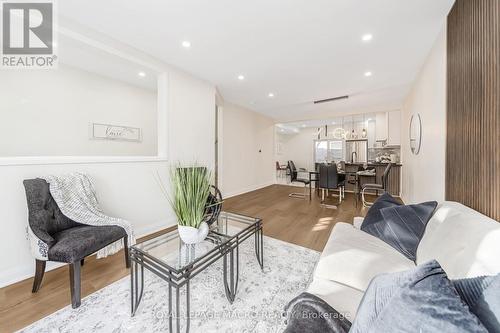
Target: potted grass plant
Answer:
pixel 190 191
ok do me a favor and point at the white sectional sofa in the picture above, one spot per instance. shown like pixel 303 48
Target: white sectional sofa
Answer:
pixel 465 243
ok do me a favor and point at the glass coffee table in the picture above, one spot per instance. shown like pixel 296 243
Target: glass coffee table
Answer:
pixel 177 263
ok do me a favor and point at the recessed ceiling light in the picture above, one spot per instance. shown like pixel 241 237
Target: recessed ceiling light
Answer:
pixel 367 74
pixel 241 77
pixel 270 95
pixel 303 125
pixel 141 74
pixel 367 37
pixel 186 44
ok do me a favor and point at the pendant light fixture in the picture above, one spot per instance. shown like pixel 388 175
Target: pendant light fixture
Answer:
pixel 354 135
pixel 363 133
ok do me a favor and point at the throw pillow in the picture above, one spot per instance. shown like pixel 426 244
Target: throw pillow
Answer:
pixel 400 226
pixel 482 295
pixel 404 226
pixel 373 215
pixel 418 300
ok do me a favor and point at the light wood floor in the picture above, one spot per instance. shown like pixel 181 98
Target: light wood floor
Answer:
pixel 289 219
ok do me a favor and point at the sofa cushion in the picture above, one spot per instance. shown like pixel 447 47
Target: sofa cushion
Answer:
pixel 402 226
pixel 418 300
pixel 482 296
pixel 374 215
pixel 465 242
pixel 76 243
pixel 353 257
pixel 342 298
pixel 357 222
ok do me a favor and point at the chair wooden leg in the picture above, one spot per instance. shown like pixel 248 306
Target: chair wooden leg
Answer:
pixel 125 250
pixel 39 271
pixel 75 283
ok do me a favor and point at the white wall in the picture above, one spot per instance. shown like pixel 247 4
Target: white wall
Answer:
pixel 423 175
pixel 192 120
pixel 243 168
pixel 298 148
pixel 126 189
pixel 48 112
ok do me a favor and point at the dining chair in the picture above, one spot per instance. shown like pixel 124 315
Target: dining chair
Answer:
pixel 329 181
pixel 376 187
pixel 280 170
pixel 294 178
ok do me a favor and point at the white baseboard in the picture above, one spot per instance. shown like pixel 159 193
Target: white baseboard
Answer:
pixel 247 189
pixel 403 198
pixel 27 271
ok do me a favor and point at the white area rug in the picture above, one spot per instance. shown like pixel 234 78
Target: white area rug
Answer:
pixel 258 307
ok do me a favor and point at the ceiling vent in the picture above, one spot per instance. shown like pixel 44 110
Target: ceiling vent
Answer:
pixel 331 99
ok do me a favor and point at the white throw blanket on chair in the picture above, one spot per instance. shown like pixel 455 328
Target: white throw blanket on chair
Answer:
pixel 75 195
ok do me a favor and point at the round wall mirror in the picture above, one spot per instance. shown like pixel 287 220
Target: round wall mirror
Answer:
pixel 415 133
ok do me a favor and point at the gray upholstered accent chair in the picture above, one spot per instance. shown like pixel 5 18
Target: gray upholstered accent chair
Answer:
pixel 67 241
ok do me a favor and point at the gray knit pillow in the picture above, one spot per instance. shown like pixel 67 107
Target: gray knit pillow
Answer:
pixel 421 299
pixel 482 295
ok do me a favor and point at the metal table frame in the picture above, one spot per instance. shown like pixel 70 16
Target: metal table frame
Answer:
pixel 227 248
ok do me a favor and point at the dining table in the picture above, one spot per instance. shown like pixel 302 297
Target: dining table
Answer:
pixel 357 175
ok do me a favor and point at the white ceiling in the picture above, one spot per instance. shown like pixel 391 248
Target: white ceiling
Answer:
pixel 78 54
pixel 301 50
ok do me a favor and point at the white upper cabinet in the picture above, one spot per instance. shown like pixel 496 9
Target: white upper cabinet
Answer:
pixel 381 126
pixel 388 127
pixel 371 133
pixel 394 128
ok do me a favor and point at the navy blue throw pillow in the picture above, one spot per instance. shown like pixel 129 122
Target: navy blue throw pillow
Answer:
pixel 421 299
pixel 373 215
pixel 402 226
pixel 482 295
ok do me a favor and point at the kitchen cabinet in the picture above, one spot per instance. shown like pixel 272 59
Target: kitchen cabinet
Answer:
pixel 371 133
pixel 394 128
pixel 388 127
pixel 381 126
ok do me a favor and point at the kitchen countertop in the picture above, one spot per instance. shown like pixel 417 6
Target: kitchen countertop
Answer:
pixel 373 163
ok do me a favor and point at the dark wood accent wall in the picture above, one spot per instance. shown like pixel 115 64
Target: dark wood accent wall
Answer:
pixel 473 106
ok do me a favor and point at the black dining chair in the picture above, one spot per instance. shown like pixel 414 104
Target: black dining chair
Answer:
pixel 294 178
pixel 329 181
pixel 376 187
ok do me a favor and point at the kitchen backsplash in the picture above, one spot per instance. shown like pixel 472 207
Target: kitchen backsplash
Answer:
pixel 385 152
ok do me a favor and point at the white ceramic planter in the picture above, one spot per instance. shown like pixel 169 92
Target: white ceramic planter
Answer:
pixel 190 235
